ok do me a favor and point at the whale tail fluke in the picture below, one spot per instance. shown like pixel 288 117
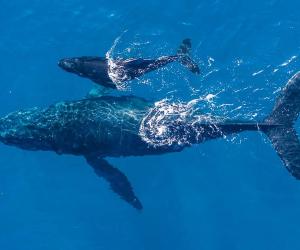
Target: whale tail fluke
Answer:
pixel 284 137
pixel 287 106
pixel 183 52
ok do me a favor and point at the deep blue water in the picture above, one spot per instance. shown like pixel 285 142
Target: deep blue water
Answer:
pixel 224 194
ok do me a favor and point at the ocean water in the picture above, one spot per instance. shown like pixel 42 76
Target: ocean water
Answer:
pixel 231 193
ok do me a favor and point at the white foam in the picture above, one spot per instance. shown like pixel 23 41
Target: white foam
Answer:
pixel 116 71
pixel 209 97
pixel 170 123
pixel 210 72
pixel 210 61
pixel 287 62
pixel 258 72
pixel 239 62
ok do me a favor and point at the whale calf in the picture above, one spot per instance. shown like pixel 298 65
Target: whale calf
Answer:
pixel 110 126
pixel 110 73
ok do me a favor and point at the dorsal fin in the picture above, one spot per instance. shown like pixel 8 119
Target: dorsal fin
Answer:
pixel 98 91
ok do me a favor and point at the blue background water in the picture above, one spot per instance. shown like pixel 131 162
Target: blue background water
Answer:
pixel 219 195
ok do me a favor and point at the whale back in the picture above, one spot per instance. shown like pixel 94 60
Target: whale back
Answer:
pixel 105 126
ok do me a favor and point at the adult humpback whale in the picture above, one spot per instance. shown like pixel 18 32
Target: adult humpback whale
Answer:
pixel 111 72
pixel 123 126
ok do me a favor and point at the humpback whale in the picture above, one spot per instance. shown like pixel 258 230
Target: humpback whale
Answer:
pixel 110 126
pixel 110 73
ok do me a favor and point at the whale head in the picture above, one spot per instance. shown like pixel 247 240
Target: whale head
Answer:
pixel 91 67
pixel 85 66
pixel 24 129
pixel 72 65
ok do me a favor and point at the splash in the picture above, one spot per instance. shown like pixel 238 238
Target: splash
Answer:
pixel 175 124
pixel 116 70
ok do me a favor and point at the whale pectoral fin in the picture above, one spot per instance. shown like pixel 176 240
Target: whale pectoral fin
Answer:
pixel 117 180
